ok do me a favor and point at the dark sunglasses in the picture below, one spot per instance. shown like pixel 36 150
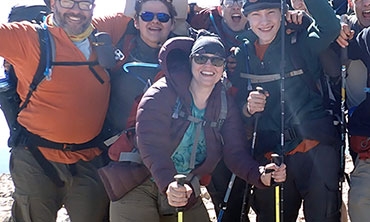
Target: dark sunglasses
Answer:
pixel 230 3
pixel 202 59
pixel 83 5
pixel 149 16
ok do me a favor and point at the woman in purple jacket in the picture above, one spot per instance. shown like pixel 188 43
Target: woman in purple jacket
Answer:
pixel 178 111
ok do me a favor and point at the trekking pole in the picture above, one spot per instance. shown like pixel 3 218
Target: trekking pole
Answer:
pixel 223 206
pixel 248 187
pixel 279 192
pixel 343 59
pixel 278 160
pixel 180 179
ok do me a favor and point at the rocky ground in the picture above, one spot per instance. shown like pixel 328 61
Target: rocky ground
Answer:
pixel 6 190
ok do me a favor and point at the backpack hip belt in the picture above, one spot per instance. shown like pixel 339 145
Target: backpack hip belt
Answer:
pixel 29 138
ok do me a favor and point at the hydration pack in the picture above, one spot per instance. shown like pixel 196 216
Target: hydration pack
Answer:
pixel 9 99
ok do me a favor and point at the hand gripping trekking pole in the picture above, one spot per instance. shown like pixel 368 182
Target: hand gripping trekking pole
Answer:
pixel 180 179
pixel 248 187
pixel 278 160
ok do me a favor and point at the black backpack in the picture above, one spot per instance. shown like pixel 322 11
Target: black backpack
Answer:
pixel 9 99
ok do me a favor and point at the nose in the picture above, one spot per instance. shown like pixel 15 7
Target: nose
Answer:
pixel 208 62
pixel 366 2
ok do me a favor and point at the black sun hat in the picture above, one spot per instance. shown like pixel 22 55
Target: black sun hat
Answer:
pixel 208 44
pixel 255 5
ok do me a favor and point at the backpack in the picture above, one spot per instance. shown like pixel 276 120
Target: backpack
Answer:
pixel 9 99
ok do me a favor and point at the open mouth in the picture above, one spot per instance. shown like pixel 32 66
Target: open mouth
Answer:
pixel 74 18
pixel 266 29
pixel 366 14
pixel 236 17
pixel 155 29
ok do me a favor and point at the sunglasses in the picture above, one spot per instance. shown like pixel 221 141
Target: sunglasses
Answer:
pixel 202 59
pixel 149 16
pixel 83 5
pixel 230 3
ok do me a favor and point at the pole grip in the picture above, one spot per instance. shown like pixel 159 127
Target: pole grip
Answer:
pixel 180 179
pixel 278 160
pixel 275 158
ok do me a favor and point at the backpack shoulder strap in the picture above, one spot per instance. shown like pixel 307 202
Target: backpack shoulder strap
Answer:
pixel 221 118
pixel 43 68
pixel 223 111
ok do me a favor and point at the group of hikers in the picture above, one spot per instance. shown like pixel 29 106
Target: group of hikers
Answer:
pixel 124 117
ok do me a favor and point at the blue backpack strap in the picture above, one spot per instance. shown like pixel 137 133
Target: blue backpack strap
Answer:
pixel 212 18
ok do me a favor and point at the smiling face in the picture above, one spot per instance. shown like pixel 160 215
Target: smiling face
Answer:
pixel 206 75
pixel 265 24
pixel 362 10
pixel 73 21
pixel 233 16
pixel 154 33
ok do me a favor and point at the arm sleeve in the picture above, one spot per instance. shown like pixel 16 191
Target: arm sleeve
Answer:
pixel 153 135
pixel 326 27
pixel 236 151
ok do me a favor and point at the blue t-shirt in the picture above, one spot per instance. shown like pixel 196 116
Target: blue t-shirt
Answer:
pixel 181 156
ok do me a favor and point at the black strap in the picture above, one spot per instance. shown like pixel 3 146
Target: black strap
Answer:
pixel 48 168
pixel 39 75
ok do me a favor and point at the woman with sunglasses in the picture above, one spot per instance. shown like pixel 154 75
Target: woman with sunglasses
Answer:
pixel 191 90
pixel 151 26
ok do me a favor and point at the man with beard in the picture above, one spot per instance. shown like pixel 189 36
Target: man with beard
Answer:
pixel 55 159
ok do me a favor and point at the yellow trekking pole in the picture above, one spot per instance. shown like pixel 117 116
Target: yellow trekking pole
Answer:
pixel 278 160
pixel 180 179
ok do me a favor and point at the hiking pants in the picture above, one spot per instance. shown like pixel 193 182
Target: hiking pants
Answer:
pixel 359 195
pixel 38 199
pixel 312 177
pixel 146 203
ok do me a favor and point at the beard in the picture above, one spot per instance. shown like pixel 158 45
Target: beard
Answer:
pixel 70 27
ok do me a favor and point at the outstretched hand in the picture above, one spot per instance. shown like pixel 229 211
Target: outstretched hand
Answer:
pixel 178 195
pixel 346 33
pixel 278 173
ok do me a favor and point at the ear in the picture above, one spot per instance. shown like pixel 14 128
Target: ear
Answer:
pixel 219 10
pixel 173 24
pixel 52 5
pixel 136 22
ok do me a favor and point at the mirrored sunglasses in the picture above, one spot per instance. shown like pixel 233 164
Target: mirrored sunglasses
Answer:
pixel 149 16
pixel 230 3
pixel 202 59
pixel 83 5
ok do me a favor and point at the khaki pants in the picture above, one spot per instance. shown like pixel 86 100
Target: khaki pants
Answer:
pixel 145 203
pixel 37 198
pixel 359 195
